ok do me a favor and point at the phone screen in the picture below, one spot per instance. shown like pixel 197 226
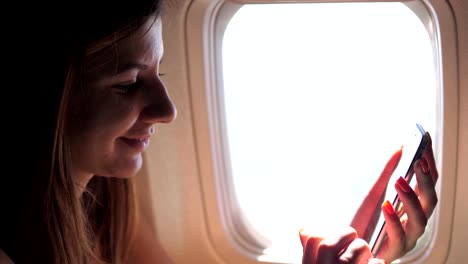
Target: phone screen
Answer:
pixel 412 151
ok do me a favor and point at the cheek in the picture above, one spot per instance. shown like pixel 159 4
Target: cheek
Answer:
pixel 99 122
pixel 95 142
pixel 112 118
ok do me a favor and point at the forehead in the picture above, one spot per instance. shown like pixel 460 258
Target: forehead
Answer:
pixel 144 46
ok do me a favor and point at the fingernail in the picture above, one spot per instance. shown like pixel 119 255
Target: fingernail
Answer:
pixel 403 185
pixel 302 237
pixel 424 165
pixel 387 206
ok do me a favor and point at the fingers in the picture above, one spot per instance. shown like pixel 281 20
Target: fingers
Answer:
pixel 381 184
pixel 342 247
pixel 426 187
pixel 330 247
pixel 395 242
pixel 358 252
pixel 367 215
pixel 429 157
pixel 417 220
pixel 403 231
pixel 310 244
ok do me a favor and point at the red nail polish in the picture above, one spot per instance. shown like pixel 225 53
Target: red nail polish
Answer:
pixel 387 206
pixel 403 185
pixel 424 165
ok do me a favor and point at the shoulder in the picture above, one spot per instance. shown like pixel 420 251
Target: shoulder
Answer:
pixel 4 259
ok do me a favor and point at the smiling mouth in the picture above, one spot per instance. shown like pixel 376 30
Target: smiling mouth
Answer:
pixel 139 144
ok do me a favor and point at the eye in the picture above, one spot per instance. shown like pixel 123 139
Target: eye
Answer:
pixel 126 88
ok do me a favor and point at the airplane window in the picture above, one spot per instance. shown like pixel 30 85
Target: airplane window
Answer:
pixel 316 98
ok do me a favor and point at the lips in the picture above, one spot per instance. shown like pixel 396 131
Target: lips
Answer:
pixel 137 143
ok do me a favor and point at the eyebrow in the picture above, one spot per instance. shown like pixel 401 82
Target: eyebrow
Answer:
pixel 131 66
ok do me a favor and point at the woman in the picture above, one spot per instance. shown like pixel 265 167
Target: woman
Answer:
pixel 92 96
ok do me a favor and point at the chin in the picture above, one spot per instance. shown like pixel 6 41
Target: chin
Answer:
pixel 127 169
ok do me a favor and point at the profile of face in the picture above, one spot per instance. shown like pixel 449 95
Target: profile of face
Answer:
pixel 122 100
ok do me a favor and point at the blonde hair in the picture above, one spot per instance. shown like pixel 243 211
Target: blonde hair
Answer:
pixel 99 227
pixel 47 216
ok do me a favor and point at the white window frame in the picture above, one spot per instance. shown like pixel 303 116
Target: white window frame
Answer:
pixel 233 240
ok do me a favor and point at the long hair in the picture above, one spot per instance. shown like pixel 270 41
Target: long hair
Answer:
pixel 49 221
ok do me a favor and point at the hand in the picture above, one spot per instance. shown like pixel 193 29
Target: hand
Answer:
pixel 349 245
pixel 419 204
pixel 341 247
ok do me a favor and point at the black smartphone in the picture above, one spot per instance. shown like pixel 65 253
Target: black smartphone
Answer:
pixel 412 151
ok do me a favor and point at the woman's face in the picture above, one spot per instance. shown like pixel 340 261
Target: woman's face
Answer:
pixel 121 102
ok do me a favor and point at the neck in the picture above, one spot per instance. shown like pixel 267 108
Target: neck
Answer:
pixel 82 181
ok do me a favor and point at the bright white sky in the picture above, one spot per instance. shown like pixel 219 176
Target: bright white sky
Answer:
pixel 318 97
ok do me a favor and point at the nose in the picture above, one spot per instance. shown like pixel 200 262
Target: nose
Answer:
pixel 158 105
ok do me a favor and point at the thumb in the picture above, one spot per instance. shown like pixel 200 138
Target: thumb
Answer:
pixel 310 244
pixel 306 234
pixel 303 237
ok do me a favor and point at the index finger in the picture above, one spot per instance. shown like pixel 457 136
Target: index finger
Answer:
pixel 368 213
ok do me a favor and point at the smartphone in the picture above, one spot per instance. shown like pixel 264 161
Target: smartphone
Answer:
pixel 412 151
